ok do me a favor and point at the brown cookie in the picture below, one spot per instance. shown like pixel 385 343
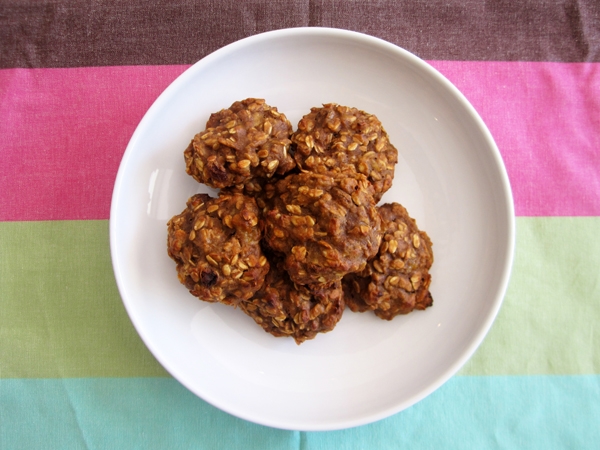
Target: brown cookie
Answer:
pixel 283 308
pixel 326 226
pixel 397 280
pixel 340 139
pixel 216 245
pixel 261 189
pixel 249 139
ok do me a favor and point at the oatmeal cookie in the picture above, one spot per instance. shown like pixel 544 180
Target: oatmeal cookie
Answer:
pixel 397 280
pixel 337 138
pixel 327 226
pixel 261 189
pixel 216 245
pixel 283 308
pixel 249 139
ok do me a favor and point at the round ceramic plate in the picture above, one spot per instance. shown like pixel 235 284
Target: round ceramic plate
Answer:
pixel 449 176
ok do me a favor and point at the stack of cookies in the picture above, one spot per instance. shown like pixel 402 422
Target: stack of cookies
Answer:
pixel 295 233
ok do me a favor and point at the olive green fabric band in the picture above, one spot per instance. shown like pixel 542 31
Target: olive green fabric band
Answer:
pixel 61 303
pixel 546 324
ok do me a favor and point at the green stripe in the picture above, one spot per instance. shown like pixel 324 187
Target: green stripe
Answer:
pixel 61 305
pixel 547 324
pixel 61 312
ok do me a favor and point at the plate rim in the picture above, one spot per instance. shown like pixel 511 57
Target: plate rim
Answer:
pixel 508 208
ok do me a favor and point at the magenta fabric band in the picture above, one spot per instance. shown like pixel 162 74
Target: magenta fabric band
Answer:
pixel 64 132
pixel 545 118
pixel 77 123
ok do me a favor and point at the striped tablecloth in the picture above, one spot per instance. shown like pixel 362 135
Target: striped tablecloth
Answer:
pixel 75 79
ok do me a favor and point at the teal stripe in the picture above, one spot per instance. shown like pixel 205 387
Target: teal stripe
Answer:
pixel 467 412
pixel 121 413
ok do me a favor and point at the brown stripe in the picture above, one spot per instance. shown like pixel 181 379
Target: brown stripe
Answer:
pixel 110 32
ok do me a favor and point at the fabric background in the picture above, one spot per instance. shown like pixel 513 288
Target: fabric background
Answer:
pixel 75 79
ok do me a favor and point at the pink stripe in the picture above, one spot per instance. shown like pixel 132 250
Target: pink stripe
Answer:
pixel 64 132
pixel 545 118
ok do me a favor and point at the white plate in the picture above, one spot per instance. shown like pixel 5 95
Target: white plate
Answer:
pixel 450 177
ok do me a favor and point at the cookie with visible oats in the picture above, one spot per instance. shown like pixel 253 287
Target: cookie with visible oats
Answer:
pixel 327 226
pixel 337 138
pixel 397 280
pixel 216 245
pixel 283 308
pixel 247 140
pixel 260 189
